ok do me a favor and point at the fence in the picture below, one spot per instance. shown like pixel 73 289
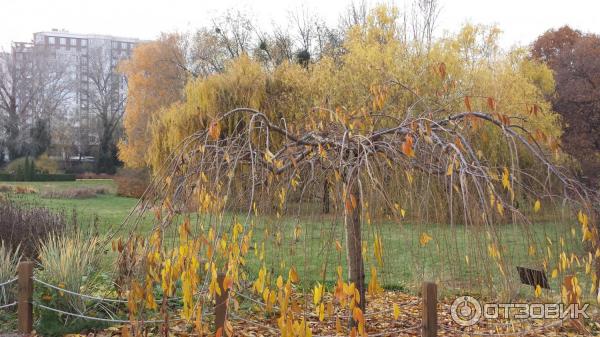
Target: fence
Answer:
pixel 428 326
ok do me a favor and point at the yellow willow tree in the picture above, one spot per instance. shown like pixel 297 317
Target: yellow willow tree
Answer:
pixel 156 76
pixel 463 115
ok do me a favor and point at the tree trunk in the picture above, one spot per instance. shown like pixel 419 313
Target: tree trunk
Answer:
pixel 326 196
pixel 356 269
pixel 13 143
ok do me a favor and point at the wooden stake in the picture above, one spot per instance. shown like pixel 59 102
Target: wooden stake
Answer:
pixel 429 328
pixel 25 296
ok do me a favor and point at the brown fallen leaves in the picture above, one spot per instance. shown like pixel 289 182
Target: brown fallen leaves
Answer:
pixel 381 321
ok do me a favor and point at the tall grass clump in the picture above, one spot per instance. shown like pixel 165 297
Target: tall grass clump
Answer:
pixel 71 262
pixel 9 259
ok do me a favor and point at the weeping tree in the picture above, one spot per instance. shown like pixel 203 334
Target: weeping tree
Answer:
pixel 384 122
pixel 358 154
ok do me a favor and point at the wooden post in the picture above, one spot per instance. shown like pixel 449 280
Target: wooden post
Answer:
pixel 221 307
pixel 25 296
pixel 429 328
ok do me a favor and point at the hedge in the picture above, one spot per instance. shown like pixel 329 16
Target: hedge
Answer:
pixel 40 177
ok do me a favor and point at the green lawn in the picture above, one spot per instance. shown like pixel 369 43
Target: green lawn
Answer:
pixel 105 210
pixel 456 258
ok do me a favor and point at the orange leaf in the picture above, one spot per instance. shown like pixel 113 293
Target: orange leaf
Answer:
pixel 468 103
pixel 357 314
pixel 491 103
pixel 227 282
pixel 219 332
pixel 214 130
pixel 407 146
pixel 442 69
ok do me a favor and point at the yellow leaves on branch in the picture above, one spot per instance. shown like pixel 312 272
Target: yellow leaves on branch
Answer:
pixel 506 178
pixel 374 287
pixel 318 292
pixel 378 249
pixel 585 229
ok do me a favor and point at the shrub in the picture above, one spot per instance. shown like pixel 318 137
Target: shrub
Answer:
pixel 19 189
pixel 54 177
pixel 75 193
pixel 24 169
pixel 25 226
pixel 73 263
pixel 92 175
pixel 11 167
pixel 132 182
pixel 46 164
pixel 6 188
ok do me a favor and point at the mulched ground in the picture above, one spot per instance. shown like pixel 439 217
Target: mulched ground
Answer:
pixel 251 321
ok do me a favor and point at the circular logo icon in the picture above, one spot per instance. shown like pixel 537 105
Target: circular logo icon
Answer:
pixel 466 310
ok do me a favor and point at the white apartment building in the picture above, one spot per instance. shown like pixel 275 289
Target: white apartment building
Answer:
pixel 75 50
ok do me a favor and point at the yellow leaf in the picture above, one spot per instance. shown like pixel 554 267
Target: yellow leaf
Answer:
pixel 537 206
pixel 321 312
pixel 505 178
pixel 500 208
pixel 317 293
pixel 378 249
pixel 554 273
pixel 424 239
pixel 293 275
pixel 228 328
pixel 402 212
pixel 396 311
pixel 338 246
pixel 280 282
pixel 538 291
pixel 450 169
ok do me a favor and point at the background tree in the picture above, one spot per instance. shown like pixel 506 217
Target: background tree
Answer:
pixel 33 87
pixel 575 59
pixel 156 73
pixel 107 104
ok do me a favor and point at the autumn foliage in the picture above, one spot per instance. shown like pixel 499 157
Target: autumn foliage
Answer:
pixel 155 80
pixel 574 58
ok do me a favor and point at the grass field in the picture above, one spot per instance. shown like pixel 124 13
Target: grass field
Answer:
pixel 105 209
pixel 455 257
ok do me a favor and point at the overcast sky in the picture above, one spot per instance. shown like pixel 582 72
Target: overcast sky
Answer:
pixel 521 20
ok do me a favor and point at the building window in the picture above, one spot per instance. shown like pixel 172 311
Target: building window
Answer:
pixel 63 41
pixel 83 43
pixel 51 40
pixel 73 42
